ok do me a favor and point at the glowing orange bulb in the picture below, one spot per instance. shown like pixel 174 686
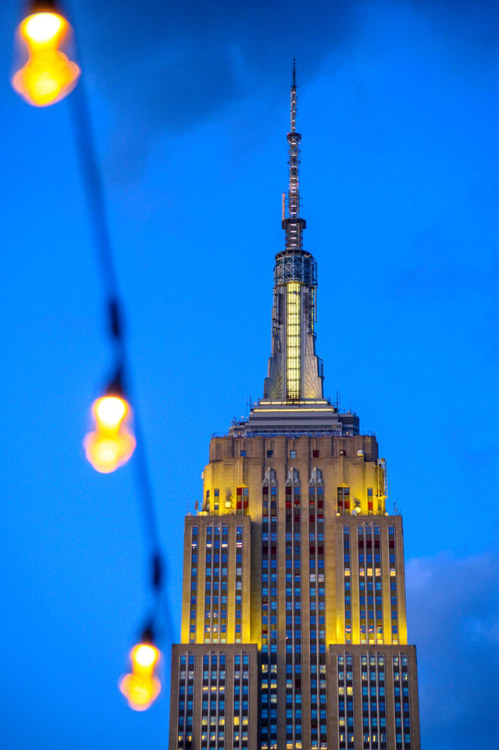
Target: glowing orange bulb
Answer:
pixel 112 443
pixel 141 687
pixel 43 27
pixel 47 75
pixel 106 454
pixel 110 411
pixel 140 692
pixel 144 657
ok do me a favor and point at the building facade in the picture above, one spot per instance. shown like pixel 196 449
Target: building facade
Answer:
pixel 294 630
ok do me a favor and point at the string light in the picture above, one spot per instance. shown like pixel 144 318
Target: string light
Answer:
pixel 142 686
pixel 111 444
pixel 47 75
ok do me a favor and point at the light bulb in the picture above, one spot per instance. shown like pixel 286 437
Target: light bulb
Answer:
pixel 140 691
pixel 141 687
pixel 144 657
pixel 111 443
pixel 110 411
pixel 42 28
pixel 47 74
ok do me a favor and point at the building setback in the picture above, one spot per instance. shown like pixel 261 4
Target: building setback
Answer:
pixel 294 631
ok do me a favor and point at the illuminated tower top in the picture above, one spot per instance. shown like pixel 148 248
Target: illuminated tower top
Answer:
pixel 293 400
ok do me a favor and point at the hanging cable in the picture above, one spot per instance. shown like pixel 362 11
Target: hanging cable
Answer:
pixel 47 76
pixel 120 383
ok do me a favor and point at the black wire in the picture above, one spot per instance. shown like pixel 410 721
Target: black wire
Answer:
pixel 94 192
pixel 93 189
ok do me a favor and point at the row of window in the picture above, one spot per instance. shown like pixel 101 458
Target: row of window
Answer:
pixel 294 727
pixel 268 682
pixel 344 504
pixel 214 722
pixel 292 453
pixel 373 691
pixel 215 597
pixel 370 589
pixel 317 601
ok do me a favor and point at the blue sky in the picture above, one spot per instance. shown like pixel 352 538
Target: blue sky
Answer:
pixel 398 106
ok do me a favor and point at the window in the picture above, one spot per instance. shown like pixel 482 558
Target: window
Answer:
pixel 343 500
pixel 315 454
pixel 270 454
pixel 242 453
pixel 292 454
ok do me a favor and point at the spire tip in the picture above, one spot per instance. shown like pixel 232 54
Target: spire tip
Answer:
pixel 294 72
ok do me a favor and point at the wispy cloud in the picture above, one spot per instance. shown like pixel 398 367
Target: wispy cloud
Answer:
pixel 453 612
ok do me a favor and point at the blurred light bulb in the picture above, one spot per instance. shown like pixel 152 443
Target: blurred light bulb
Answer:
pixel 139 691
pixel 141 687
pixel 144 657
pixel 42 27
pixel 47 74
pixel 112 443
pixel 110 411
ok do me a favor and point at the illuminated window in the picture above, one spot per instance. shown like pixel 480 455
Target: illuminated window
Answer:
pixel 293 340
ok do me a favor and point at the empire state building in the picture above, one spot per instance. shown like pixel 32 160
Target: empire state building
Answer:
pixel 294 630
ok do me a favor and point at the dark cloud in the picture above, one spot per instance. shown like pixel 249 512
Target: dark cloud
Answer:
pixel 188 58
pixel 473 26
pixel 453 614
pixel 166 67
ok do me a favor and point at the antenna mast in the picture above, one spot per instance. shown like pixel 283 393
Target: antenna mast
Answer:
pixel 294 139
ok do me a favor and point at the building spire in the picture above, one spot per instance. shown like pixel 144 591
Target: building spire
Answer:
pixel 293 397
pixel 295 371
pixel 294 139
